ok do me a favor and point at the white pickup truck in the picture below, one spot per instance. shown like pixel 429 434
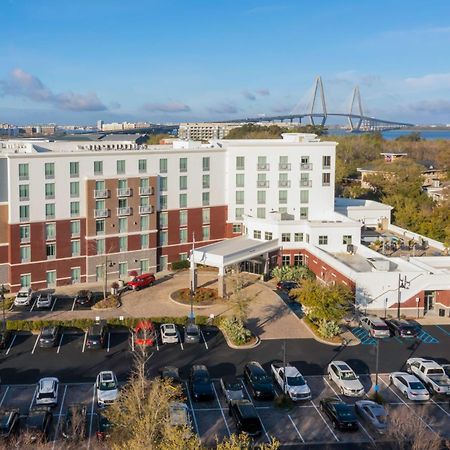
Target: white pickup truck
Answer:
pixel 431 374
pixel 291 382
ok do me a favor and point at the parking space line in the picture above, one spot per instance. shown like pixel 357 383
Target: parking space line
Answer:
pixel 440 407
pixel 324 421
pixel 60 342
pixel 296 429
pixel 204 340
pixel 192 408
pixel 84 342
pixel 157 345
pixel 92 418
pixel 54 303
pixel 32 306
pixel 109 342
pixel 32 399
pixel 73 304
pixel 179 340
pixel 35 344
pixel 221 410
pixel 59 418
pixel 4 396
pixel 132 342
pixel 11 344
pixel 443 330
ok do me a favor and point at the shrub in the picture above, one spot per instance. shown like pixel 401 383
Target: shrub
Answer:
pixel 236 331
pixel 328 329
pixel 108 302
pixel 182 264
pixel 292 273
pixel 201 294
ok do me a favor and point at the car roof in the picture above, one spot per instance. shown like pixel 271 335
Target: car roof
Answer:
pixel 342 365
pixel 106 375
pixel 96 328
pixel 50 329
pixel 199 367
pixel 376 320
pixel 246 408
pixel 371 404
pixel 168 325
pixel 192 325
pixel 47 384
pixel 407 376
pixel 292 371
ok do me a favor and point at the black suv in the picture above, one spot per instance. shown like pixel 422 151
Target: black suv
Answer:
pixel 246 418
pixel 49 336
pixel 96 336
pixel 200 383
pixel 402 328
pixel 38 423
pixel 260 383
pixel 9 423
pixel 84 298
pixel 340 413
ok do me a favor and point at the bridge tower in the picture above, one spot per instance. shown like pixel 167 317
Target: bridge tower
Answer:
pixel 318 92
pixel 356 99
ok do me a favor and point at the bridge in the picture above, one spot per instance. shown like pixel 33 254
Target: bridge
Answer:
pixel 317 114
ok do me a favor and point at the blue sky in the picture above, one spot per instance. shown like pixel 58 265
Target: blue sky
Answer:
pixel 162 60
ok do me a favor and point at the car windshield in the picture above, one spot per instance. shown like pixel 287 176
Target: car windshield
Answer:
pixel 192 331
pixel 22 295
pixel 261 378
pixel 349 376
pixel 415 385
pixel 47 333
pixel 108 385
pixel 234 386
pixel 296 381
pixel 94 337
pixel 46 395
pixel 380 327
pixel 435 372
pixel 170 332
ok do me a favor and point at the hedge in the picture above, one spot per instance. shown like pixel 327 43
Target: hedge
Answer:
pixel 178 265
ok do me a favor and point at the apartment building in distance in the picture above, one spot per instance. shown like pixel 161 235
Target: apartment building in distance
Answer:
pixel 69 210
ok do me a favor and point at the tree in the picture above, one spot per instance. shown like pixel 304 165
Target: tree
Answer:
pixel 243 442
pixel 292 273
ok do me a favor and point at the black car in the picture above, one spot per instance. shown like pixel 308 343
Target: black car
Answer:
pixel 245 417
pixel 286 286
pixel 402 328
pixel 38 423
pixel 49 336
pixel 84 298
pixel 103 427
pixel 341 415
pixel 260 383
pixel 9 423
pixel 200 383
pixel 172 373
pixel 96 336
pixel 75 422
pixel 5 336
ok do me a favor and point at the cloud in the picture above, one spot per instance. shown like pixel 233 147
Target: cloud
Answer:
pixel 223 108
pixel 431 106
pixel 23 84
pixel 263 92
pixel 248 95
pixel 432 80
pixel 169 107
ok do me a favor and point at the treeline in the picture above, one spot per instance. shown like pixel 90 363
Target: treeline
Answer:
pixel 252 131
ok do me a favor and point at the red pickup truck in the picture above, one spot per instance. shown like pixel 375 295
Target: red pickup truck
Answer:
pixel 141 281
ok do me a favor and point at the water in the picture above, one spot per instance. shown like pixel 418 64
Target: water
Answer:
pixel 390 135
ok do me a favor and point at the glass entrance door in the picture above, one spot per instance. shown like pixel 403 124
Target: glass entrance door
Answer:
pixel 429 301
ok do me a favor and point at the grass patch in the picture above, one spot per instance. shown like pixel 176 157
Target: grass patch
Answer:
pixel 315 329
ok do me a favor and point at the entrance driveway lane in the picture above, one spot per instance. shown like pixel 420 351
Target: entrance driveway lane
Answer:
pixel 19 396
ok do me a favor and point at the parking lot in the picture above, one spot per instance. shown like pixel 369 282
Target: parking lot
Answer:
pixel 59 303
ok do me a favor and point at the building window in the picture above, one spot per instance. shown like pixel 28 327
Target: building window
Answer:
pixel 123 243
pixel 74 169
pixel 123 270
pixel 183 164
pixel 145 240
pixel 100 185
pixel 162 238
pixel 261 213
pixel 236 228
pixel 347 239
pixel 25 233
pixel 24 192
pixel 75 275
pixel 323 240
pixel 75 247
pixel 205 215
pixel 261 197
pixel 163 262
pixel 49 169
pixel 24 213
pixel 304 213
pixel 262 180
pixel 163 220
pixel 262 163
pixel 99 276
pixel 183 182
pixel 240 180
pixel 123 224
pixel 326 179
pixel 205 182
pixel 183 256
pixel 205 233
pixel 183 218
pixel 163 184
pixel 304 160
pixel 284 163
pixel 268 236
pixel 183 200
pixel 205 198
pixel 120 165
pixel 50 211
pixel 304 197
pixel 74 189
pixel 144 222
pixel 49 190
pixel 144 265
pixel 307 238
pixel 163 201
pixel 51 278
pixel 51 250
pixel 240 162
pixel 163 165
pixel 286 260
pixel 205 163
pixel 239 213
pixel 183 235
pixel 100 227
pixel 75 228
pixel 298 237
pixel 50 231
pixel 326 162
pixel 98 167
pixel 25 254
pixel 25 280
pixel 298 260
pixel 74 209
pixel 239 197
pixel 23 171
pixel 142 166
pixel 100 246
pixel 285 237
pixel 282 197
pixel 256 234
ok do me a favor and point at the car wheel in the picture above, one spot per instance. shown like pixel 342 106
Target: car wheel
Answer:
pixel 136 288
pixel 390 381
pixel 329 376
pixel 405 394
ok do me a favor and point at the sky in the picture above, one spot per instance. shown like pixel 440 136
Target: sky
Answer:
pixel 78 61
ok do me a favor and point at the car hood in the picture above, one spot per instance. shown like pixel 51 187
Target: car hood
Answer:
pixel 108 395
pixel 354 385
pixel 235 395
pixel 202 388
pixel 299 389
pixel 263 387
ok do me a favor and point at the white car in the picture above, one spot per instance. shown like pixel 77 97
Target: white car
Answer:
pixel 107 388
pixel 345 379
pixel 179 415
pixel 44 301
pixel 410 386
pixel 47 391
pixel 169 333
pixel 23 297
pixel 291 381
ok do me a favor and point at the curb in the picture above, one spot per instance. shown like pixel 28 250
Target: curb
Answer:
pixel 240 347
pixel 188 306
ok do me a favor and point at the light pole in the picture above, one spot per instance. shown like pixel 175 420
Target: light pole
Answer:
pixel 385 307
pixel 377 355
pixel 403 283
pixel 417 302
pixel 2 298
pixel 192 279
pixel 284 367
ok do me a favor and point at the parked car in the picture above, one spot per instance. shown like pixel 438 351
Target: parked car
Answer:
pixel 192 333
pixel 179 415
pixel 291 381
pixel 145 333
pixel 103 427
pixel 141 281
pixel 232 388
pixel 172 373
pixel 245 417
pixel 49 336
pixel 5 336
pixel 47 391
pixel 97 335
pixel 200 383
pixel 410 386
pixel 260 384
pixel 341 415
pixel 74 426
pixel 402 328
pixel 107 388
pixel 345 379
pixel 9 423
pixel 44 301
pixel 84 298
pixel 287 286
pixel 38 423
pixel 446 368
pixel 373 414
pixel 169 333
pixel 431 374
pixel 375 326
pixel 23 297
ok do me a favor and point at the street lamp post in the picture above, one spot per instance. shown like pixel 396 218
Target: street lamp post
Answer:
pixel 385 307
pixel 403 283
pixel 2 298
pixel 418 302
pixel 377 358
pixel 192 279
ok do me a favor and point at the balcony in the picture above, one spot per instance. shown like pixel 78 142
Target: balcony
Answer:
pixel 147 209
pixel 24 240
pixel 264 166
pixel 101 213
pixel 284 166
pixel 24 219
pixel 147 190
pixel 326 167
pixel 126 211
pixel 124 192
pixel 305 183
pixel 284 183
pixel 24 177
pixel 101 193
pixel 24 198
pixel 305 166
pixel 262 183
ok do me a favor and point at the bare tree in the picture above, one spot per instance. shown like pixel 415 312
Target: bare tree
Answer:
pixel 244 442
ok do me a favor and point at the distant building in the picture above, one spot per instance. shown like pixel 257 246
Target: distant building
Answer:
pixel 121 126
pixel 100 125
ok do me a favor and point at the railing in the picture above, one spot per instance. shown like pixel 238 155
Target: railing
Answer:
pixel 25 240
pixel 284 166
pixel 146 190
pixel 264 166
pixel 49 196
pixel 25 219
pixel 101 193
pixel 24 177
pixel 284 183
pixel 126 211
pixel 49 176
pixel 147 209
pixel 24 199
pixel 101 213
pixel 305 166
pixel 262 183
pixel 305 183
pixel 326 167
pixel 124 192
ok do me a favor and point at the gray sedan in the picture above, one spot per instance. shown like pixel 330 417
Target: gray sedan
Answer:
pixel 232 388
pixel 373 414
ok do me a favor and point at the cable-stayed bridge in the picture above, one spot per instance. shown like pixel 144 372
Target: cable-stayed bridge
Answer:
pixel 317 114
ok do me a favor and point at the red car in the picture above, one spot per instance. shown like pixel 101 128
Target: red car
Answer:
pixel 145 333
pixel 141 281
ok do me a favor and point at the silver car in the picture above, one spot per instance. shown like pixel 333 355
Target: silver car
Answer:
pixel 44 301
pixel 345 379
pixel 232 388
pixel 192 333
pixel 373 414
pixel 169 333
